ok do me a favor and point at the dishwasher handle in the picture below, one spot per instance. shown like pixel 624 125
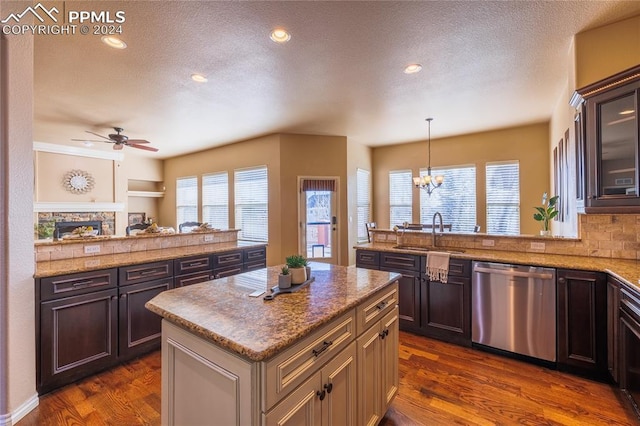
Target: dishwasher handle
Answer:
pixel 544 276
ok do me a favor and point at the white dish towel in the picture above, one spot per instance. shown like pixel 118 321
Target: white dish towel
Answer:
pixel 438 266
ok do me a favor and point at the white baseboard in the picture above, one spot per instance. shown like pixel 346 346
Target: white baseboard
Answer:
pixel 24 409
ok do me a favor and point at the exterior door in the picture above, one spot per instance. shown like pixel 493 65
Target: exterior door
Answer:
pixel 318 219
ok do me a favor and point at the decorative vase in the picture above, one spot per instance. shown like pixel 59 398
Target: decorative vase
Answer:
pixel 545 233
pixel 298 275
pixel 284 281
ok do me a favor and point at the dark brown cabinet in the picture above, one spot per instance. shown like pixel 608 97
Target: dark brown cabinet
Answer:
pixel 78 328
pixel 139 329
pixel 629 371
pixel 447 306
pixel 582 322
pixel 613 320
pixel 228 263
pixel 610 151
pixel 254 258
pixel 192 270
pixel 430 308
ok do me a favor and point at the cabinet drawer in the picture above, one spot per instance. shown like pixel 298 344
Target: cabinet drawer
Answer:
pixel 287 370
pixel 374 308
pixel 367 259
pixel 400 261
pixel 255 255
pixel 253 266
pixel 146 272
pixel 190 279
pixel 231 258
pixel 460 268
pixel 192 264
pixel 227 272
pixel 74 284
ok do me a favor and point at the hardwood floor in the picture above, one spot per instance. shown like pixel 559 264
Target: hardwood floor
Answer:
pixel 440 384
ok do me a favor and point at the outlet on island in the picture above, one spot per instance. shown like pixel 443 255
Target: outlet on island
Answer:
pixel 92 249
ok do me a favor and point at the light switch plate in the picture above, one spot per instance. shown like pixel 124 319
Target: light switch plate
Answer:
pixel 488 243
pixel 92 249
pixel 537 246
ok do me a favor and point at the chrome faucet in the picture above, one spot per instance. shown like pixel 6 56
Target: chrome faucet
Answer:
pixel 433 227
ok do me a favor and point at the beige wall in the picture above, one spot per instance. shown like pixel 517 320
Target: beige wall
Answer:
pixel 17 299
pixel 255 152
pixel 358 157
pixel 605 51
pixel 50 171
pixel 312 156
pixel 527 144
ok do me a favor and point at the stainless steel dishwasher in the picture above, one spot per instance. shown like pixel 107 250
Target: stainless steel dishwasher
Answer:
pixel 514 309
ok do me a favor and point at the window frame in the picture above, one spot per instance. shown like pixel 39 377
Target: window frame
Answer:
pixel 260 230
pixel 215 203
pixel 402 203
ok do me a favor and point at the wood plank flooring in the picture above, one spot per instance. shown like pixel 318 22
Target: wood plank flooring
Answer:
pixel 440 384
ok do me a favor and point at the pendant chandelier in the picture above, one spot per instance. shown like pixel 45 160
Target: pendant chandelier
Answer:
pixel 428 182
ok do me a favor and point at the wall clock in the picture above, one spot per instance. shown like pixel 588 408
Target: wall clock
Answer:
pixel 78 181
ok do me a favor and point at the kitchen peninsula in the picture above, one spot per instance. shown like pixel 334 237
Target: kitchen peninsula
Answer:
pixel 326 354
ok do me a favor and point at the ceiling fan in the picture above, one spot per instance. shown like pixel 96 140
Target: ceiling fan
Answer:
pixel 119 140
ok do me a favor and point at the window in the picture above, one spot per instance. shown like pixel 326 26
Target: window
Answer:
pixel 503 198
pixel 186 199
pixel 455 199
pixel 400 197
pixel 215 200
pixel 251 203
pixel 363 189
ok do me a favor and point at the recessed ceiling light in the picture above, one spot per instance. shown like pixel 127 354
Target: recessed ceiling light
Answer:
pixel 280 35
pixel 627 112
pixel 412 68
pixel 114 42
pixel 199 78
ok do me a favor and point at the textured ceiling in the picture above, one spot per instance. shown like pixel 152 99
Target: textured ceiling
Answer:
pixel 486 65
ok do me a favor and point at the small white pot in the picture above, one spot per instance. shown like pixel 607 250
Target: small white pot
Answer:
pixel 284 281
pixel 298 275
pixel 545 233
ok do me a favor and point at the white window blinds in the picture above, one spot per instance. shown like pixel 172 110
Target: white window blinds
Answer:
pixel 251 203
pixel 186 199
pixel 400 197
pixel 363 189
pixel 215 200
pixel 455 199
pixel 503 198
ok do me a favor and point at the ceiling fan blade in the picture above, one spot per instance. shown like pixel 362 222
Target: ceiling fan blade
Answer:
pixel 137 141
pixel 117 146
pixel 100 136
pixel 146 148
pixel 90 140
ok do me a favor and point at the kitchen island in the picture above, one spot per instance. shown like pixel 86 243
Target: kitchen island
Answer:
pixel 327 353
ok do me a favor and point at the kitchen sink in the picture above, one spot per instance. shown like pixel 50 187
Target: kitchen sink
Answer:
pixel 427 249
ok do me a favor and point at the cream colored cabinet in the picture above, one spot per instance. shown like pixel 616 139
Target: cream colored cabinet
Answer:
pixel 327 398
pixel 377 368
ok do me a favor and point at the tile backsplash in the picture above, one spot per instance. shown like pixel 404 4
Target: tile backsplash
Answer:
pixel 600 235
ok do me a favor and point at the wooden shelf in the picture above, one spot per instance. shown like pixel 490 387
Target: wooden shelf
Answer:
pixel 149 194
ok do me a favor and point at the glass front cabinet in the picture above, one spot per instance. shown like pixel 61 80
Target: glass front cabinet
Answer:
pixel 608 116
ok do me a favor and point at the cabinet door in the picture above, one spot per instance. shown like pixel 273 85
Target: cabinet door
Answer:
pixel 78 337
pixel 582 343
pixel 339 407
pixel 139 328
pixel 613 306
pixel 446 310
pixel 369 362
pixel 302 407
pixel 408 298
pixel 612 143
pixel 389 335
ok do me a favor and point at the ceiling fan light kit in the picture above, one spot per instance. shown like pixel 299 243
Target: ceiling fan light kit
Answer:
pixel 119 140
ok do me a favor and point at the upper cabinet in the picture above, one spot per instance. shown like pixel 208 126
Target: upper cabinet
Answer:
pixel 607 144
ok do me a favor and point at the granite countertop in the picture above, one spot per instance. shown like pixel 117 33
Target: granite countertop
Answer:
pixel 222 312
pixel 84 264
pixel 625 270
pixel 51 241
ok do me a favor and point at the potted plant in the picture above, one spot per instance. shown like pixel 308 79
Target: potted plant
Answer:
pixel 296 264
pixel 546 213
pixel 284 278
